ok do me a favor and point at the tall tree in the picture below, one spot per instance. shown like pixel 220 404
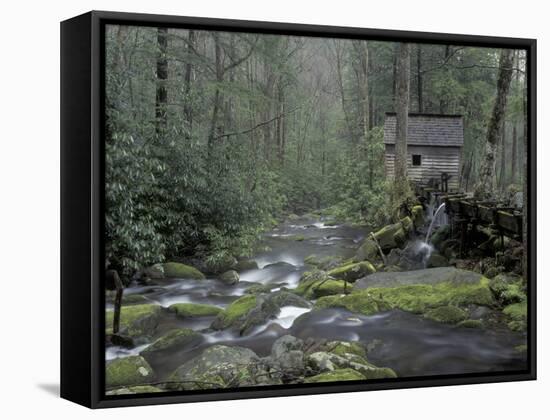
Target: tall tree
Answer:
pixel 486 186
pixel 419 78
pixel 402 85
pixel 188 105
pixel 162 76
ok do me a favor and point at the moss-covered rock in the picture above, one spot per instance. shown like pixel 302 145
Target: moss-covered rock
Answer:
pixel 181 271
pixel 508 289
pixel 318 284
pixel 368 251
pixel 257 289
pixel 135 320
pixel 219 367
pixel 336 375
pixel 230 277
pixel 127 371
pixel 243 265
pixel 447 314
pixel 353 271
pixel 470 323
pixel 440 235
pixel 417 216
pixel 323 263
pixel 194 310
pixel 131 390
pixel 516 314
pixel 237 311
pixel 216 264
pixel 342 348
pixel 391 236
pixel 361 302
pixel 437 260
pixel 179 338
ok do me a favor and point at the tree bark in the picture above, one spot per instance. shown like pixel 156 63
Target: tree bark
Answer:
pixel 217 94
pixel 486 186
pixel 162 75
pixel 188 106
pixel 402 117
pixel 419 80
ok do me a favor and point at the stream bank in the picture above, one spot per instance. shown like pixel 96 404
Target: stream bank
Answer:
pixel 318 303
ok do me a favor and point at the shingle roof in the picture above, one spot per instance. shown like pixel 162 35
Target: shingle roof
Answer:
pixel 428 130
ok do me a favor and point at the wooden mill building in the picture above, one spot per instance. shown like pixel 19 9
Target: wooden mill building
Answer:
pixel 434 147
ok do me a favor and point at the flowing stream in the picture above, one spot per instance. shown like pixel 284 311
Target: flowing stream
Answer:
pixel 408 343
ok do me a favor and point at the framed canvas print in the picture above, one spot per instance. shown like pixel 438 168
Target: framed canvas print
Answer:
pixel 255 209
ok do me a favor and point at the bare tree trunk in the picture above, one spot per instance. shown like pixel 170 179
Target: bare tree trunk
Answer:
pixel 419 80
pixel 486 186
pixel 525 174
pixel 162 76
pixel 188 107
pixel 502 171
pixel 514 170
pixel 340 79
pixel 402 117
pixel 217 94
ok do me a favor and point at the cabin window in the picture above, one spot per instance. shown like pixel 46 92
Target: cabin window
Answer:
pixel 417 160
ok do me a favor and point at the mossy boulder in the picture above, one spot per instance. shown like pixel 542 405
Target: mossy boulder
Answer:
pixel 244 265
pixel 216 264
pixel 230 277
pixel 516 314
pixel 236 312
pixel 194 310
pixel 437 260
pixel 391 236
pixel 368 251
pixel 257 289
pixel 154 272
pixel 336 375
pixel 353 271
pixel 181 271
pixel 131 390
pixel 360 302
pixel 317 284
pixel 135 320
pixel 252 310
pixel 470 323
pixel 440 235
pixel 323 263
pixel 508 289
pixel 417 216
pixel 128 371
pixel 343 348
pixel 219 366
pixel 179 338
pixel 447 314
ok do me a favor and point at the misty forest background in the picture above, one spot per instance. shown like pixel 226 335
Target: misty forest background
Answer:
pixel 211 137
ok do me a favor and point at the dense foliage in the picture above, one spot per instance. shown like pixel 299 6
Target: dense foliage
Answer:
pixel 211 137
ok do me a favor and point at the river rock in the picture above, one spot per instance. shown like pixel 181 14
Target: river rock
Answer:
pixel 368 251
pixel 252 310
pixel 181 271
pixel 194 310
pixel 131 390
pixel 437 260
pixel 230 277
pixel 448 314
pixel 507 288
pixel 244 265
pixel 287 357
pixel 417 216
pixel 353 271
pixel 135 320
pixel 220 264
pixel 127 371
pixel 336 376
pixel 176 339
pixel 425 276
pixel 220 366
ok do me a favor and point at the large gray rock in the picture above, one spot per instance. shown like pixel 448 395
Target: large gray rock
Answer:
pixel 287 358
pixel 220 367
pixel 230 277
pixel 426 276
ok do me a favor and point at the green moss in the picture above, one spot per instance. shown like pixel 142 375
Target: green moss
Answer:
pixel 192 310
pixel 352 271
pixel 135 320
pixel 470 323
pixel 517 316
pixel 367 251
pixel 257 289
pixel 361 302
pixel 447 314
pixel 312 260
pixel 173 269
pixel 418 216
pixel 133 370
pixel 313 289
pixel 139 389
pixel 419 298
pixel 134 300
pixel 416 298
pixel 236 310
pixel 522 348
pixel 179 337
pixel 342 348
pixel 336 375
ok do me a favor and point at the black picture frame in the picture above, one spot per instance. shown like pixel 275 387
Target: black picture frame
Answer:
pixel 82 211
